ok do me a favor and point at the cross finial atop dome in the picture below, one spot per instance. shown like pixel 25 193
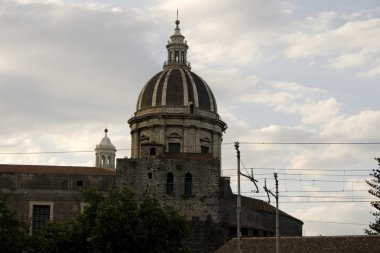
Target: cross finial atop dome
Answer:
pixel 177 21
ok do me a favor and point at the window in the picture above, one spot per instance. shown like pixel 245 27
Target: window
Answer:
pixel 204 149
pixel 182 57
pixel 176 56
pixel 169 184
pixel 103 160
pixel 152 151
pixel 191 108
pixel 41 214
pixel 79 182
pixel 174 147
pixel 150 175
pixel 108 160
pixel 188 185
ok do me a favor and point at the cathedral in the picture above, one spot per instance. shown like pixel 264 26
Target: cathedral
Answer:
pixel 176 157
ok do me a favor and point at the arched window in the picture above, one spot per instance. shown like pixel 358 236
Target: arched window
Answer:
pixel 169 184
pixel 103 161
pixel 191 108
pixel 152 151
pixel 108 160
pixel 188 185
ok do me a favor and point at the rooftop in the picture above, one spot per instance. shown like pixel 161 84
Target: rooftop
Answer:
pixel 58 170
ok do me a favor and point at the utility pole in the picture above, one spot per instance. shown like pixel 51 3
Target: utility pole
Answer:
pixel 277 211
pixel 238 202
pixel 277 218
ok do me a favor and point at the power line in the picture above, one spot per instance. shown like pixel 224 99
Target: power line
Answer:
pixel 304 143
pixel 54 152
pixel 337 222
pixel 312 174
pixel 283 169
pixel 309 180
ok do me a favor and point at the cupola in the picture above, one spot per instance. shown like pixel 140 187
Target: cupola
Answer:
pixel 105 153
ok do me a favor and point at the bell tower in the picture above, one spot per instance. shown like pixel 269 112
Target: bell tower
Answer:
pixel 105 153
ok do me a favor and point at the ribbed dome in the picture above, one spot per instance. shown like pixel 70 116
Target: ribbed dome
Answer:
pixel 176 110
pixel 177 87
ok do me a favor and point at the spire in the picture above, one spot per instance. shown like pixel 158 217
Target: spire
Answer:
pixel 177 49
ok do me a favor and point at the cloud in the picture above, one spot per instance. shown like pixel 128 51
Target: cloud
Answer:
pixel 362 126
pixel 354 43
pixel 295 98
pixel 352 35
pixel 324 219
pixel 373 72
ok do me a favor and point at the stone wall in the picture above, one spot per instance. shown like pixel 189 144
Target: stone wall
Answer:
pixel 59 191
pixel 14 182
pixel 150 176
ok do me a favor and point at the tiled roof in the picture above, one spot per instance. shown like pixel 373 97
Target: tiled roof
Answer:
pixel 257 205
pixel 312 244
pixel 57 170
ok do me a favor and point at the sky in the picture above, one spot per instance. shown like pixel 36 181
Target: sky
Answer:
pixel 284 73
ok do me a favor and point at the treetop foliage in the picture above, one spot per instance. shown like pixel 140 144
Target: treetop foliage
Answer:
pixel 374 183
pixel 111 222
pixel 13 231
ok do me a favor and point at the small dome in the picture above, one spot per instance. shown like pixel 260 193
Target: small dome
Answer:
pixel 106 142
pixel 177 87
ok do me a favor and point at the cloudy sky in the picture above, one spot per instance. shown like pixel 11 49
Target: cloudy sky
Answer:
pixel 290 72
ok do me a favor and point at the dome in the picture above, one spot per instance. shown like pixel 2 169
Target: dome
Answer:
pixel 177 87
pixel 105 153
pixel 176 114
pixel 106 142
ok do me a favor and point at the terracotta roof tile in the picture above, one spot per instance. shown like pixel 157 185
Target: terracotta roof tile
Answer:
pixel 58 170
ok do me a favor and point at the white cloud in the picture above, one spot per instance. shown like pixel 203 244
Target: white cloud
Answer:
pixel 352 44
pixel 373 72
pixel 354 59
pixel 297 99
pixel 359 127
pixel 324 219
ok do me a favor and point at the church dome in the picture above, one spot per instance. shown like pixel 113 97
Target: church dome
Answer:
pixel 176 113
pixel 177 87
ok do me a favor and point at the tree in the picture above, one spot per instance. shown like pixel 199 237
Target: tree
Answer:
pixel 13 231
pixel 374 227
pixel 116 222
